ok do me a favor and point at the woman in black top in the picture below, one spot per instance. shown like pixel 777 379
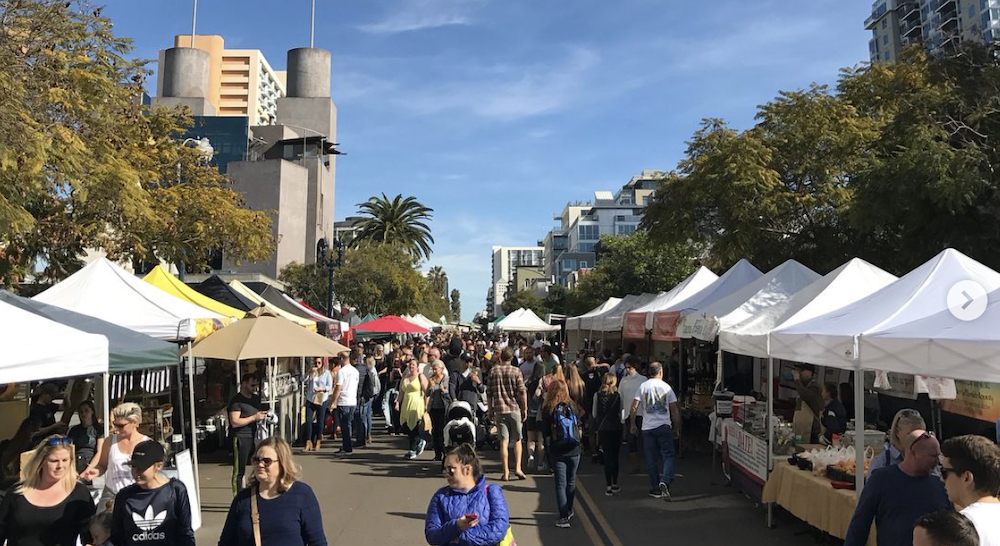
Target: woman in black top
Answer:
pixel 564 453
pixel 607 413
pixel 88 437
pixel 155 510
pixel 49 508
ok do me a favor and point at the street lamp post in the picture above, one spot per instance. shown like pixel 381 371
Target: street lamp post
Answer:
pixel 327 259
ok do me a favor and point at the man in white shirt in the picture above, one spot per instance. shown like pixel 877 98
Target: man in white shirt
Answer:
pixel 628 388
pixel 527 365
pixel 970 468
pixel 661 422
pixel 345 397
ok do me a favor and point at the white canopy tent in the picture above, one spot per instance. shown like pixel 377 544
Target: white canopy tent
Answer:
pixel 775 286
pixel 421 321
pixel 594 322
pixel 613 319
pixel 842 286
pixel 307 311
pixel 575 323
pixel 640 319
pixel 525 320
pixel 834 339
pixel 665 321
pixel 105 290
pixel 37 348
pixel 940 345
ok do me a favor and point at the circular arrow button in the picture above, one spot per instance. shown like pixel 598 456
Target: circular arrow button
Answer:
pixel 967 300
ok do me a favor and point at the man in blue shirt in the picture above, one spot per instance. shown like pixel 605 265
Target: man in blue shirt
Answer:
pixel 895 497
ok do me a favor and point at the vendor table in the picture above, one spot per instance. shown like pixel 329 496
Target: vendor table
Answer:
pixel 812 499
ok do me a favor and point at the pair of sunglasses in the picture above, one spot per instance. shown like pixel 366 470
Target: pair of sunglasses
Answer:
pixel 266 460
pixel 59 441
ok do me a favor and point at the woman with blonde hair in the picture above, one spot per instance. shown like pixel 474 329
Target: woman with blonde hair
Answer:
pixel 411 404
pixel 319 383
pixel 117 451
pixel 577 388
pixel 49 506
pixel 905 422
pixel 285 509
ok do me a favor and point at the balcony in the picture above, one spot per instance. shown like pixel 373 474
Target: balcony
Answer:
pixel 949 25
pixel 947 7
pixel 910 30
pixel 909 11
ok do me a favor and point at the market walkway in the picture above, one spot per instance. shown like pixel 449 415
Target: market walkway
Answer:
pixel 379 496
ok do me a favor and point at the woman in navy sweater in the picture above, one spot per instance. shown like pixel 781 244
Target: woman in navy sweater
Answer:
pixel 288 509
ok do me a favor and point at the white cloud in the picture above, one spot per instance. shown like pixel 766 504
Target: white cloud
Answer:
pixel 414 15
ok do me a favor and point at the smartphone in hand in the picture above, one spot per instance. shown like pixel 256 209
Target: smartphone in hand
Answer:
pixel 472 517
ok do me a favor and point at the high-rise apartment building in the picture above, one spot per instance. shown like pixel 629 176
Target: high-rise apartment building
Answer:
pixel 240 81
pixel 897 24
pixel 506 260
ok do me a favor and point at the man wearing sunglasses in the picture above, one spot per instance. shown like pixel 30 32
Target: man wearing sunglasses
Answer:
pixel 895 497
pixel 970 469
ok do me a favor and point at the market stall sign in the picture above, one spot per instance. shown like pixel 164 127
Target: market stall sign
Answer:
pixel 635 326
pixel 665 325
pixel 746 451
pixel 975 399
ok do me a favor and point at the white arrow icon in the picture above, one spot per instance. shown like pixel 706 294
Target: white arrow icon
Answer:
pixel 967 300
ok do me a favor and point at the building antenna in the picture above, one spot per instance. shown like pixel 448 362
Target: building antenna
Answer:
pixel 194 21
pixel 312 26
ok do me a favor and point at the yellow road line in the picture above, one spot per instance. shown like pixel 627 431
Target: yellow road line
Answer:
pixel 588 526
pixel 601 520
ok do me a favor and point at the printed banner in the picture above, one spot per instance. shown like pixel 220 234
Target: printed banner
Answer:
pixel 635 326
pixel 975 399
pixel 665 325
pixel 746 451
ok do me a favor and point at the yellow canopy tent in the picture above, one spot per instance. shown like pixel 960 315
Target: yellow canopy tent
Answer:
pixel 162 279
pixel 245 291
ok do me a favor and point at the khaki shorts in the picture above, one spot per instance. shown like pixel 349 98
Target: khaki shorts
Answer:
pixel 510 426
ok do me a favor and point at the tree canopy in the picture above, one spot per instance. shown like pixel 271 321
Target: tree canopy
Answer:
pixel 83 164
pixel 399 222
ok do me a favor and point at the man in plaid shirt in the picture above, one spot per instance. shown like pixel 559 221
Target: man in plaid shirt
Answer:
pixel 508 401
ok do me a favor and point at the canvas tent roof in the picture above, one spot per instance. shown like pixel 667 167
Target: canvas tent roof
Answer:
pixel 37 348
pixel 829 339
pixel 263 335
pixel 665 321
pixel 127 349
pixel 219 290
pixel 940 345
pixel 525 320
pixel 390 324
pixel 842 286
pixel 104 290
pixel 640 319
pixel 775 286
pixel 164 280
pixel 254 297
pixel 277 298
pixel 613 319
pixel 575 323
pixel 307 312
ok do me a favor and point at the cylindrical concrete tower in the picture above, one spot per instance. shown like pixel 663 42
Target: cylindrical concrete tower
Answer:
pixel 308 73
pixel 185 72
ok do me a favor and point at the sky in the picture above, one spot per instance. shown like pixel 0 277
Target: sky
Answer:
pixel 496 113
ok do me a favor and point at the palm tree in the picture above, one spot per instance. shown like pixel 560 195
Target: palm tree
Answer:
pixel 400 222
pixel 439 280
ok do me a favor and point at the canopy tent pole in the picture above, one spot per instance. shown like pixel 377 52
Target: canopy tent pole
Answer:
pixel 769 520
pixel 106 396
pixel 194 422
pixel 859 420
pixel 179 405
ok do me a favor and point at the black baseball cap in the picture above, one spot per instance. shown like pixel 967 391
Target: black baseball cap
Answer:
pixel 146 454
pixel 801 366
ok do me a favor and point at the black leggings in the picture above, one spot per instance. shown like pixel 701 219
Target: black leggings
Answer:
pixel 243 449
pixel 611 443
pixel 414 434
pixel 437 429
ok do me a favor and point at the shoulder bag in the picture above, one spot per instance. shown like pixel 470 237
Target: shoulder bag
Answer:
pixel 255 515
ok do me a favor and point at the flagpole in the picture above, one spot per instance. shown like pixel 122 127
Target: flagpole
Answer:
pixel 312 26
pixel 194 20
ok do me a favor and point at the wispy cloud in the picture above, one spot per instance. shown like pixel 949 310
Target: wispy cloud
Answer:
pixel 414 15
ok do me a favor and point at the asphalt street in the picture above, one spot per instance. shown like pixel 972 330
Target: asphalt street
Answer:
pixel 378 497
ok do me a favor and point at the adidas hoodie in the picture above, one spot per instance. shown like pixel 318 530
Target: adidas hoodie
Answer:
pixel 152 517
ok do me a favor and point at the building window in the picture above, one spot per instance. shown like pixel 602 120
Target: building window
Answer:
pixel 886 57
pixel 586 247
pixel 569 264
pixel 625 229
pixel 590 232
pixel 885 39
pixel 885 24
pixel 584 264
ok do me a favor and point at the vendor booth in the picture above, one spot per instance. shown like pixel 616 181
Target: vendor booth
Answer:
pixel 166 281
pixel 578 337
pixel 245 291
pixel 525 320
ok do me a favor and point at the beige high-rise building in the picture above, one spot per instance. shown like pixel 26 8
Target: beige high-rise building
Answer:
pixel 240 81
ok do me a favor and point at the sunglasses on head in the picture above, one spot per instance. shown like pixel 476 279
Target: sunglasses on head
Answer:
pixel 266 460
pixel 923 436
pixel 59 441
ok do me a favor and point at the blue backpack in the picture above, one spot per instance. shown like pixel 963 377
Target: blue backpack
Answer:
pixel 565 426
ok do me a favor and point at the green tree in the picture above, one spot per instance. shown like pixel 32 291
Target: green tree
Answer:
pixel 555 299
pixel 381 279
pixel 308 282
pixel 399 222
pixel 526 299
pixel 439 280
pixel 84 165
pixel 456 305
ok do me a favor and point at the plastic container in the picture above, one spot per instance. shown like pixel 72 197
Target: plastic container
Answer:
pixel 723 403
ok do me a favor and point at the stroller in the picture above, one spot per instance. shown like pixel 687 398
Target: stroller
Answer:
pixel 464 426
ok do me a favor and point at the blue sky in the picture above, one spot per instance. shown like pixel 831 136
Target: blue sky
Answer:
pixel 497 112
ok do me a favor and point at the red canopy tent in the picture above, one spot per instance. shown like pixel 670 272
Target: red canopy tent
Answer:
pixel 389 324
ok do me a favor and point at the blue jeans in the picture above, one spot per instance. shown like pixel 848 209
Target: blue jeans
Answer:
pixel 363 423
pixel 314 430
pixel 565 471
pixel 659 442
pixel 346 414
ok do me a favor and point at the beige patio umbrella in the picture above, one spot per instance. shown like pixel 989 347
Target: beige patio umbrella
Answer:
pixel 263 335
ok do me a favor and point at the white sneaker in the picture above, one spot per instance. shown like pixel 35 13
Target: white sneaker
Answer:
pixel 410 455
pixel 420 446
pixel 531 462
pixel 609 491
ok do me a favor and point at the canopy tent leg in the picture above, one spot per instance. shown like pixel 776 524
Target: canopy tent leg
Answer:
pixel 106 396
pixel 718 369
pixel 769 520
pixel 179 405
pixel 194 422
pixel 859 429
